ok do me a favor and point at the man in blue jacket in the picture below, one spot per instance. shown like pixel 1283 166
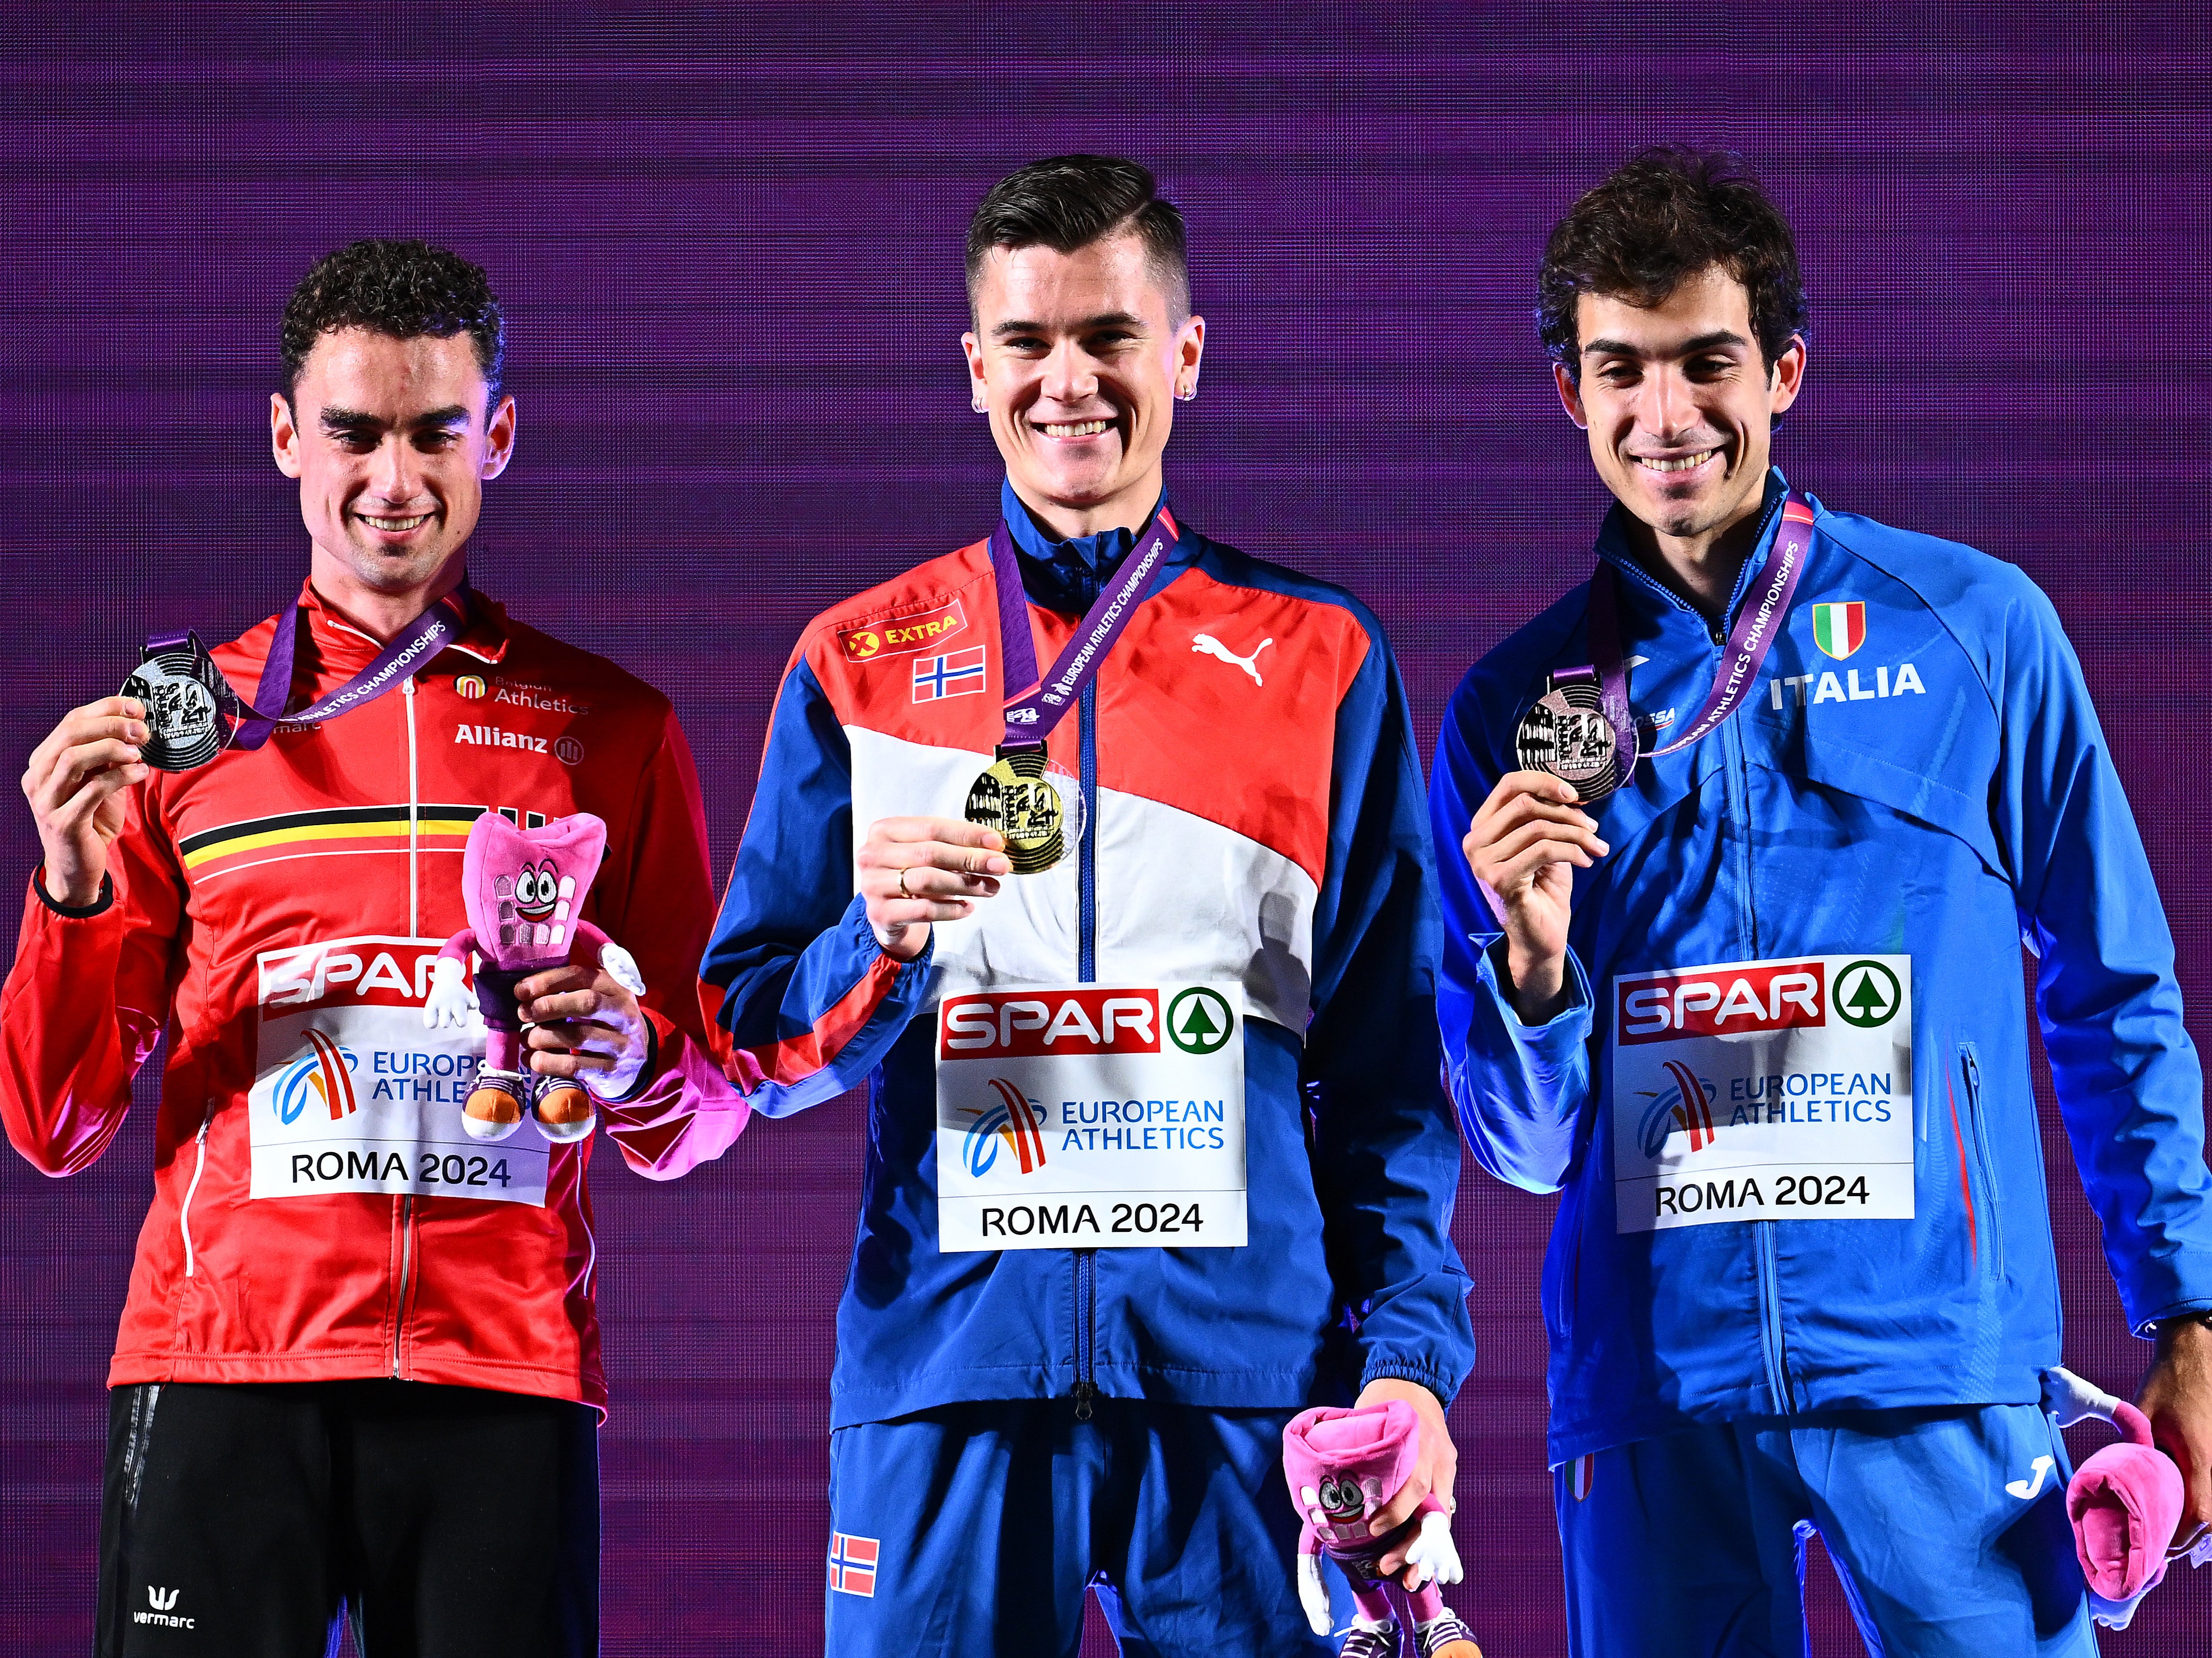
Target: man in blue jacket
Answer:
pixel 1753 825
pixel 1135 953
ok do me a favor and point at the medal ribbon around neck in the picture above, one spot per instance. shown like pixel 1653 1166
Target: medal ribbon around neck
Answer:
pixel 1044 703
pixel 1016 795
pixel 252 722
pixel 1758 624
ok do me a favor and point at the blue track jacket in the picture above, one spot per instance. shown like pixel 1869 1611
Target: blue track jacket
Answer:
pixel 1256 819
pixel 1945 792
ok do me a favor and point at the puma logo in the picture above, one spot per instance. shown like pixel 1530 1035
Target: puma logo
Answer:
pixel 2024 1488
pixel 1207 644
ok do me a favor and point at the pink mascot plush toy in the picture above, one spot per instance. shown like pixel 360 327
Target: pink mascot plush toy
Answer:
pixel 522 889
pixel 2125 1502
pixel 1343 1468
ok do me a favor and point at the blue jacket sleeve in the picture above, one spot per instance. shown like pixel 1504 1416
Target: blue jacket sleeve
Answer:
pixel 1523 1092
pixel 2129 1085
pixel 1386 1160
pixel 801 1001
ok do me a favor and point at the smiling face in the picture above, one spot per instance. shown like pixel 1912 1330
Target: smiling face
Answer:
pixel 392 443
pixel 1078 360
pixel 1679 406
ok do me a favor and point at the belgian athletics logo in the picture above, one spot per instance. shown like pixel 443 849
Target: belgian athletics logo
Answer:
pixel 1016 1120
pixel 325 1073
pixel 1198 1021
pixel 1867 995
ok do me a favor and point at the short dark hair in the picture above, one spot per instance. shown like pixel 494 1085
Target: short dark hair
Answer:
pixel 1664 214
pixel 1067 202
pixel 404 289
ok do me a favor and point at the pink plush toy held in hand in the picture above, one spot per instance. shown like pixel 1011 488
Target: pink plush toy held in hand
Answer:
pixel 1344 1466
pixel 2125 1502
pixel 522 889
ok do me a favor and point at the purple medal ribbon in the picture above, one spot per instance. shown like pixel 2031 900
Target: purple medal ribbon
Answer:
pixel 427 634
pixel 1043 703
pixel 1757 626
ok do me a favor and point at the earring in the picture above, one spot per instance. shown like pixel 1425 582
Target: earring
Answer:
pixel 1188 394
pixel 979 406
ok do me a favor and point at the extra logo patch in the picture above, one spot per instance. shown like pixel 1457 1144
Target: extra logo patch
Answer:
pixel 470 685
pixel 902 635
pixel 1839 628
pixel 853 1562
pixel 956 673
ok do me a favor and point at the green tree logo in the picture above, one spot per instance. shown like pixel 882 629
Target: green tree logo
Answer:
pixel 1867 994
pixel 1199 1020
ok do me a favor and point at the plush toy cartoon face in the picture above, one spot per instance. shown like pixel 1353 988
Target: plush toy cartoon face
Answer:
pixel 523 887
pixel 1341 1497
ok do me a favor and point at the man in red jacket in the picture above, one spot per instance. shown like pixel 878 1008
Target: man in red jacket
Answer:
pixel 358 1365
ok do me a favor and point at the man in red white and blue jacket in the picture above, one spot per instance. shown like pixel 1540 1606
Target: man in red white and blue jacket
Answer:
pixel 1011 1423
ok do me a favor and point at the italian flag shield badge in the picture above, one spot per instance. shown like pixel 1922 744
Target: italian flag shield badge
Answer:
pixel 1839 627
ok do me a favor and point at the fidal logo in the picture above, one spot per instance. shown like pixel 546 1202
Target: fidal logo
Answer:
pixel 469 685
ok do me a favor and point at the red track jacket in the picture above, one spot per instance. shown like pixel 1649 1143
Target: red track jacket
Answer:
pixel 318 1212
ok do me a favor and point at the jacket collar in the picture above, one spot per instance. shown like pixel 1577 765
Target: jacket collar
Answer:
pixel 341 645
pixel 1614 548
pixel 1060 573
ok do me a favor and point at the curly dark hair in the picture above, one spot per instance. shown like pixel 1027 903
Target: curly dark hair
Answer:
pixel 404 289
pixel 1664 214
pixel 1067 202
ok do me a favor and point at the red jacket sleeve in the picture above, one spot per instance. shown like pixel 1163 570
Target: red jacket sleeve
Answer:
pixel 88 999
pixel 658 907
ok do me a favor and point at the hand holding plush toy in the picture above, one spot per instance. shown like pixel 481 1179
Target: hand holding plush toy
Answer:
pixel 2125 1502
pixel 522 889
pixel 1344 1466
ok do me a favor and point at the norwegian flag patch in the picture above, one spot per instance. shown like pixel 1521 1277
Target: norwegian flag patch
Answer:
pixel 853 1562
pixel 956 673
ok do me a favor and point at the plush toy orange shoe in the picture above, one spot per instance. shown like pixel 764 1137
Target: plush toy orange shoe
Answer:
pixel 565 1112
pixel 495 1106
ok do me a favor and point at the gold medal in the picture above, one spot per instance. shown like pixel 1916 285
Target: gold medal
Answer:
pixel 1015 797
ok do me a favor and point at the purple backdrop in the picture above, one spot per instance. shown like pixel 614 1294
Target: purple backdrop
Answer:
pixel 729 243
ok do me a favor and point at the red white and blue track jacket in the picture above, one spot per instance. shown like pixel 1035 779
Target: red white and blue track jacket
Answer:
pixel 1270 832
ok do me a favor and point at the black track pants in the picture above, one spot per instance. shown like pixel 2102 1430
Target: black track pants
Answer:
pixel 242 1520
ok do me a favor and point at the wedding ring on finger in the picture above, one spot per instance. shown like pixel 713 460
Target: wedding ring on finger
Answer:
pixel 903 891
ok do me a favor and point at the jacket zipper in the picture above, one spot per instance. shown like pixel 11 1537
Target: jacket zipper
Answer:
pixel 414 931
pixel 1970 1069
pixel 1086 972
pixel 200 1168
pixel 1773 1348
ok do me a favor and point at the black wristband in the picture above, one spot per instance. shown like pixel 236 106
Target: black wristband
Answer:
pixel 73 912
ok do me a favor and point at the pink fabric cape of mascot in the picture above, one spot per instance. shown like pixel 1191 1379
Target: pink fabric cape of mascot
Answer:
pixel 1344 1466
pixel 523 891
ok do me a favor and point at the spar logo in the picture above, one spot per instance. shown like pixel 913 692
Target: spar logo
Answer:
pixel 1029 1023
pixel 322 1076
pixel 1726 1000
pixel 1688 1106
pixel 1011 1119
